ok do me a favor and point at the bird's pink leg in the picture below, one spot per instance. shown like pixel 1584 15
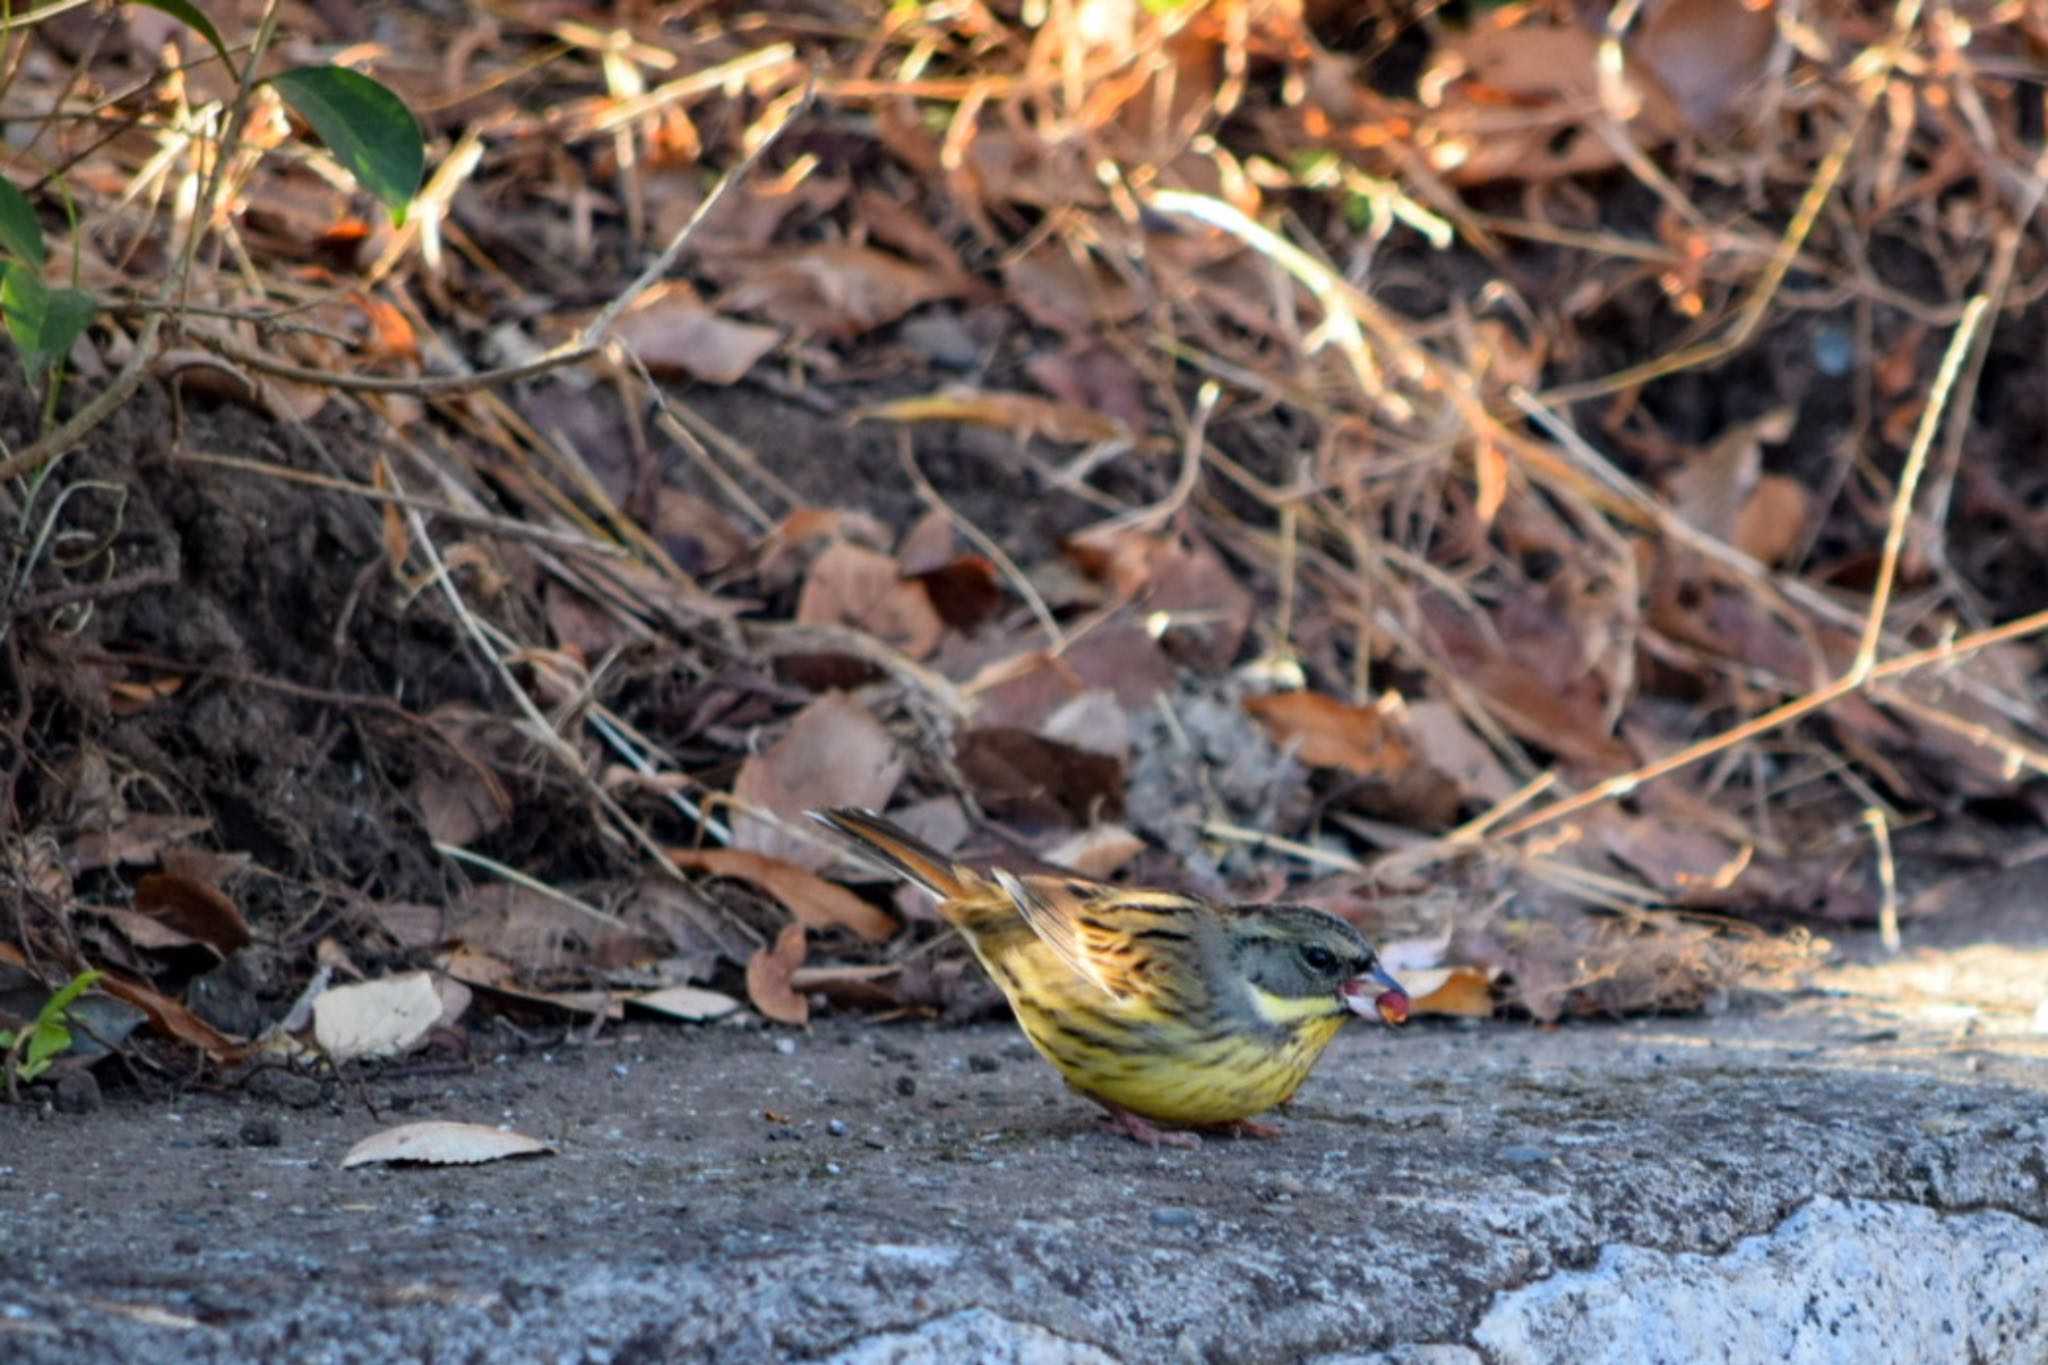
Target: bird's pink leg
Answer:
pixel 1138 1129
pixel 1250 1128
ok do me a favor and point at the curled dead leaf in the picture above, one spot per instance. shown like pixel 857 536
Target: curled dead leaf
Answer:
pixel 835 289
pixel 814 901
pixel 441 1143
pixel 1328 733
pixel 172 1019
pixel 676 333
pixel 375 1018
pixel 768 984
pixel 833 754
pixel 194 908
pixel 850 585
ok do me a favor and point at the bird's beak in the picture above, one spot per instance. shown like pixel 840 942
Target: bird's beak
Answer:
pixel 1377 996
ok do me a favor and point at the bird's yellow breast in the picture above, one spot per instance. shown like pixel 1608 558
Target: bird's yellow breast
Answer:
pixel 1174 1055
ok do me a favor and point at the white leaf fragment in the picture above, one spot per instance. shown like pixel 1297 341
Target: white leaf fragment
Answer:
pixel 441 1143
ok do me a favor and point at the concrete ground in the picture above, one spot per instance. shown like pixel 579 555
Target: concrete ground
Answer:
pixel 1854 1175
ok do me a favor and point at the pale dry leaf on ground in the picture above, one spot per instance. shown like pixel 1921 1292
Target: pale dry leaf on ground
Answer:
pixel 1706 54
pixel 375 1019
pixel 1445 740
pixel 768 983
pixel 851 585
pixel 833 289
pixel 442 1143
pixel 677 335
pixel 1327 733
pixel 1097 851
pixel 457 803
pixel 833 754
pixel 810 898
pixel 1094 721
pixel 693 1003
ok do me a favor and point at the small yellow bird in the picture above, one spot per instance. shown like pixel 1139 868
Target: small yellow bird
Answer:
pixel 1162 1008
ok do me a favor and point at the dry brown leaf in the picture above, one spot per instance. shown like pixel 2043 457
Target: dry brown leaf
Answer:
pixel 383 1018
pixel 1194 604
pixel 833 754
pixel 193 908
pixel 1064 288
pixel 854 987
pixel 1093 378
pixel 1097 851
pixel 1772 520
pixel 173 1019
pixel 142 931
pixel 768 978
pixel 501 979
pixel 1463 991
pixel 676 334
pixel 965 592
pixel 1328 733
pixel 441 1143
pixel 834 289
pixel 850 585
pixel 1025 414
pixel 1445 740
pixel 129 698
pixel 1024 776
pixel 1706 54
pixel 521 925
pixel 810 898
pixel 693 1003
pixel 696 534
pixel 1094 721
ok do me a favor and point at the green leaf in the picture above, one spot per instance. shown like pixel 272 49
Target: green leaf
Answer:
pixel 190 16
pixel 68 994
pixel 21 232
pixel 43 322
pixel 369 129
pixel 48 1041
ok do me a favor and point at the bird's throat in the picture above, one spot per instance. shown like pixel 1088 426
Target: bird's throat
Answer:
pixel 1291 1012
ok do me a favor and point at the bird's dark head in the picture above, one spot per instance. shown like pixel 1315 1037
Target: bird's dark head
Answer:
pixel 1305 964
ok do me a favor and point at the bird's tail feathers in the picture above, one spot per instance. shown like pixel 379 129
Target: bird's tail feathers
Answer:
pixel 898 850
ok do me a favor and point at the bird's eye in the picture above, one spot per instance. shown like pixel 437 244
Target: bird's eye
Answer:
pixel 1318 958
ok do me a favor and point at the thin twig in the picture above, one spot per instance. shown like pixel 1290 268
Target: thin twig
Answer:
pixel 599 330
pixel 985 543
pixel 518 878
pixel 1959 346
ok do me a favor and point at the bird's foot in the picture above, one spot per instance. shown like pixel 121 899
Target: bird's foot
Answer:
pixel 1122 1120
pixel 1249 1128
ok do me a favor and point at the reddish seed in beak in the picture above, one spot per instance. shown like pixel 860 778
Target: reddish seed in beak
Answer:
pixel 1393 1006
